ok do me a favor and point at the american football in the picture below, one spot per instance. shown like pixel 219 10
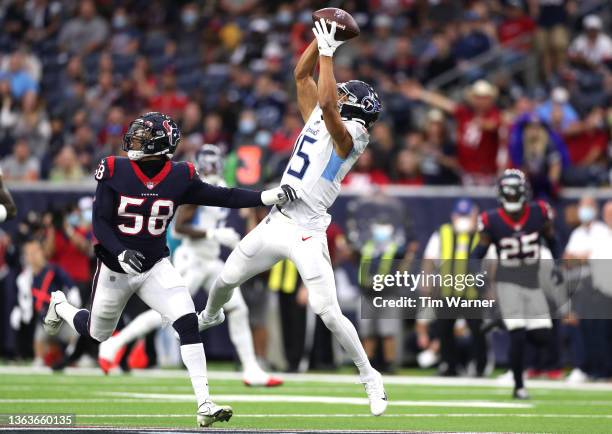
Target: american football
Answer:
pixel 346 26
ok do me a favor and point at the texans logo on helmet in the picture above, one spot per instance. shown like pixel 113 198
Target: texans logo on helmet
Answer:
pixel 172 132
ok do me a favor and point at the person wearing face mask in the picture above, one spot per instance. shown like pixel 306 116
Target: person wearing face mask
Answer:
pixel 447 251
pixel 379 256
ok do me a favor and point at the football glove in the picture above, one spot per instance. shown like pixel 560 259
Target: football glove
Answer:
pixel 326 38
pixel 131 261
pixel 279 195
pixel 224 236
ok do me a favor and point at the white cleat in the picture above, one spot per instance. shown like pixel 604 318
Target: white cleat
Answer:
pixel 376 394
pixel 521 394
pixel 209 413
pixel 257 377
pixel 577 376
pixel 206 322
pixel 52 321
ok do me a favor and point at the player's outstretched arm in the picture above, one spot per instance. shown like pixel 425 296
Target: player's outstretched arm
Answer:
pixel 103 209
pixel 305 84
pixel 327 91
pixel 8 209
pixel 201 193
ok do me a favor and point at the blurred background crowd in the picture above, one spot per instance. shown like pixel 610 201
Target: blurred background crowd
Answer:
pixel 468 87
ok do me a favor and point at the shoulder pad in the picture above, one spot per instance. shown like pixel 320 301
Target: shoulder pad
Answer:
pixel 192 170
pixel 106 169
pixel 547 212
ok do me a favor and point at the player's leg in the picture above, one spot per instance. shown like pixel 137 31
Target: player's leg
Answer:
pixel 164 290
pixel 240 332
pixel 311 258
pixel 255 253
pixel 110 293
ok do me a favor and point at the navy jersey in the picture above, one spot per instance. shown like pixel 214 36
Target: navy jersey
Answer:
pixel 133 211
pixel 518 243
pixel 51 278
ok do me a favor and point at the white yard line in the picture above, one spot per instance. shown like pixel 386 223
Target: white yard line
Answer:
pixel 361 415
pixel 324 378
pixel 303 399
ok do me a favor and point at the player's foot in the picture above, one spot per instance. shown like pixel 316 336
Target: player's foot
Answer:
pixel 257 377
pixel 206 322
pixel 376 394
pixel 109 354
pixel 577 376
pixel 520 394
pixel 209 413
pixel 52 321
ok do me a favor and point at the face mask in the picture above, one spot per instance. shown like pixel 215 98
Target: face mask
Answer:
pixel 119 21
pixel 381 233
pixel 512 206
pixel 247 126
pixel 283 18
pixel 73 219
pixel 586 214
pixel 262 138
pixel 189 18
pixel 462 224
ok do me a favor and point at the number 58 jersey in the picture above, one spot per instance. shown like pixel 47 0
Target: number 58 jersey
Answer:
pixel 132 211
pixel 316 170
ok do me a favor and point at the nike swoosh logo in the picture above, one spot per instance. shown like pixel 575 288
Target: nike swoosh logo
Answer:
pixel 306 238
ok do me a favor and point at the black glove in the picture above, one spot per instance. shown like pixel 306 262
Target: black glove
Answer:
pixel 289 192
pixel 131 261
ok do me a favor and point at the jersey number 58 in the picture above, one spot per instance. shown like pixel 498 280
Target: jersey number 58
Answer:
pixel 161 212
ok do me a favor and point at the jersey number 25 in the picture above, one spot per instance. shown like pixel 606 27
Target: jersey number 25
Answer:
pixel 161 212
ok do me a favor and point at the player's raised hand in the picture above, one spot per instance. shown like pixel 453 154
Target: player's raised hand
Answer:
pixel 225 236
pixel 326 40
pixel 131 261
pixel 279 195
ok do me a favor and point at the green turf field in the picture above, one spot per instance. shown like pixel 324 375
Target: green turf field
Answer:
pixel 164 399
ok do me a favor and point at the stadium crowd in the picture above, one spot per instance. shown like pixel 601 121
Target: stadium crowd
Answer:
pixel 72 74
pixel 468 87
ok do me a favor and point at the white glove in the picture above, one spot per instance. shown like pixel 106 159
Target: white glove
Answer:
pixel 279 195
pixel 131 261
pixel 326 38
pixel 15 318
pixel 225 236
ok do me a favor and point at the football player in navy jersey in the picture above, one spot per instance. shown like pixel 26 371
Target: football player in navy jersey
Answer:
pixel 517 229
pixel 135 200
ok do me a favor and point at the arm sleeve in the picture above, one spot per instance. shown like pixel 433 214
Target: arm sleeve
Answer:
pixel 201 193
pixel 103 210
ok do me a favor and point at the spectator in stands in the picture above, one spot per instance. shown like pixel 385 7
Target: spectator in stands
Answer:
pixel 517 27
pixel 593 48
pixel 100 98
pixel 84 33
pixel 31 124
pixel 559 113
pixel 20 77
pixel 364 173
pixel 21 165
pixel 478 122
pixel 66 166
pixel 438 57
pixel 552 36
pixel 284 137
pixel 383 143
pixel 540 153
pixel 439 165
pixel 169 99
pixel 473 41
pixel 407 168
pixel 44 19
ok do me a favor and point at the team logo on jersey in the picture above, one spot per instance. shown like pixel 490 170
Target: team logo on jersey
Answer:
pixel 150 185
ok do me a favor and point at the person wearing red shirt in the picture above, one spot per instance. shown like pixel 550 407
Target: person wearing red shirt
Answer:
pixel 170 100
pixel 516 29
pixel 478 128
pixel 364 174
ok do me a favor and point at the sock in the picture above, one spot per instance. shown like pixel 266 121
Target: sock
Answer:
pixel 75 318
pixel 192 353
pixel 195 361
pixel 241 336
pixel 517 346
pixel 141 325
pixel 346 334
pixel 219 294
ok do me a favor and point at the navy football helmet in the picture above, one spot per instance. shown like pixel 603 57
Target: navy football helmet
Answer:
pixel 156 133
pixel 362 103
pixel 513 190
pixel 209 162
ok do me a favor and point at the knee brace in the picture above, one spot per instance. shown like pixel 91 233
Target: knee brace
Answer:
pixel 187 329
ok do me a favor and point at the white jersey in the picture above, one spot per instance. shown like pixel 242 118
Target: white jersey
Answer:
pixel 316 171
pixel 206 218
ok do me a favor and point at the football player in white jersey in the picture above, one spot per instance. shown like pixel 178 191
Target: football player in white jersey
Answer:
pixel 203 232
pixel 337 118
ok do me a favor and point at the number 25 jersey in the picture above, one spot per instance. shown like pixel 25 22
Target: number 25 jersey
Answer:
pixel 316 170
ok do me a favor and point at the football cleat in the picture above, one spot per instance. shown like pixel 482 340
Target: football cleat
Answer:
pixel 376 394
pixel 209 413
pixel 53 322
pixel 259 378
pixel 206 322
pixel 520 394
